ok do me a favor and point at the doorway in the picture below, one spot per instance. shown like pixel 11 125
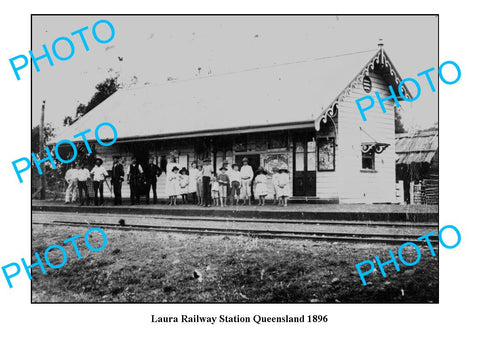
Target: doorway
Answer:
pixel 304 165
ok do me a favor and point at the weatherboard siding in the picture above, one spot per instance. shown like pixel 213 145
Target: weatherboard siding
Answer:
pixel 357 185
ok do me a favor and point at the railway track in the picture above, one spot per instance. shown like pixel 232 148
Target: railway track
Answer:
pixel 336 236
pixel 426 225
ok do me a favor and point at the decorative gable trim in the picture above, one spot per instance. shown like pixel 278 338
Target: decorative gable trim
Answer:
pixel 380 62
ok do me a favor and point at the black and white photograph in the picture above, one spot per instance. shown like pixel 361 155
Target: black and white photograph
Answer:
pixel 235 158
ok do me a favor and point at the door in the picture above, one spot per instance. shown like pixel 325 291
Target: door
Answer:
pixel 304 166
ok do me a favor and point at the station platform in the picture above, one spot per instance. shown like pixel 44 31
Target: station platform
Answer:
pixel 333 212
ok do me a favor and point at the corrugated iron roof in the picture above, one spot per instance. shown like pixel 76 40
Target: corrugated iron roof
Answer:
pixel 287 93
pixel 419 146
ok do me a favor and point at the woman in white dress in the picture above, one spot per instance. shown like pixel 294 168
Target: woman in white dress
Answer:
pixel 170 164
pixel 194 174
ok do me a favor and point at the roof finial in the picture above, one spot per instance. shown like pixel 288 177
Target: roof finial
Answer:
pixel 380 43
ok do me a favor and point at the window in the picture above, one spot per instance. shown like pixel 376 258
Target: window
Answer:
pixel 326 154
pixel 277 140
pixel 368 160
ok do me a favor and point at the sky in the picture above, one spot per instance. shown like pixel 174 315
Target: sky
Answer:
pixel 154 49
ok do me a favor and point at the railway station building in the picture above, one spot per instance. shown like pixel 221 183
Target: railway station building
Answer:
pixel 302 115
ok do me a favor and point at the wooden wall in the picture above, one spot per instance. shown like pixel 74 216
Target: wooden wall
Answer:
pixel 185 151
pixel 353 184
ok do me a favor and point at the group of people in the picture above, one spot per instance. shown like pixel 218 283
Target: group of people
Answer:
pixel 77 177
pixel 199 185
pixel 139 180
pixel 227 187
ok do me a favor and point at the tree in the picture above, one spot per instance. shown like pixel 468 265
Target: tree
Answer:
pixel 49 133
pixel 104 90
pixel 67 120
pixel 399 128
pixel 80 111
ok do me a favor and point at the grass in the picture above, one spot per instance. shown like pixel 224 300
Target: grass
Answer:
pixel 138 266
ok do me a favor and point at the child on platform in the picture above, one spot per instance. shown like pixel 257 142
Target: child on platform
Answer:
pixel 283 185
pixel 215 191
pixel 261 186
pixel 223 182
pixel 235 183
pixel 184 181
pixel 275 186
pixel 173 186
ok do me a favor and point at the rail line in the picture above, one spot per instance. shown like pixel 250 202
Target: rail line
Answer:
pixel 336 236
pixel 394 224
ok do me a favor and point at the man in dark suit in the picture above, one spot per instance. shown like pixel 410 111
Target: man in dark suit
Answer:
pixel 152 172
pixel 136 179
pixel 117 179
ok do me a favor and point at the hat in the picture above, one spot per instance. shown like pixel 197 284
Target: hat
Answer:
pixel 245 159
pixel 174 168
pixel 116 156
pixel 223 168
pixel 283 168
pixel 183 170
pixel 98 159
pixel 261 170
pixel 206 160
pixel 235 165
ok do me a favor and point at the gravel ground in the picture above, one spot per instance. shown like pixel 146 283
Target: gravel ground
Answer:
pixel 141 266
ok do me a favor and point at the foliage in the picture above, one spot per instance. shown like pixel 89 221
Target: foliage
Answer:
pixel 49 133
pixel 67 121
pixel 399 128
pixel 104 90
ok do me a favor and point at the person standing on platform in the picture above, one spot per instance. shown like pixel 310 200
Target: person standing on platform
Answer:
pixel 200 194
pixel 173 185
pixel 99 173
pixel 261 186
pixel 153 171
pixel 235 183
pixel 207 173
pixel 134 179
pixel 117 178
pixel 215 191
pixel 171 163
pixel 83 175
pixel 246 175
pixel 275 185
pixel 227 172
pixel 183 180
pixel 224 183
pixel 71 177
pixel 193 175
pixel 283 185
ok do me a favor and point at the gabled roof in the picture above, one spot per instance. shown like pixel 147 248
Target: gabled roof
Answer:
pixel 419 146
pixel 379 61
pixel 283 94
